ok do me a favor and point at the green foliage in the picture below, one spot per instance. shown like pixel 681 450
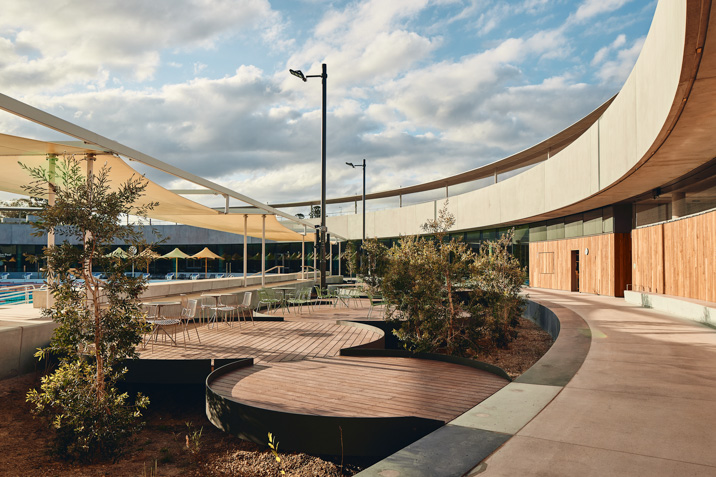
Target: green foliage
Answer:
pixel 315 212
pixel 86 424
pixel 350 254
pixel 100 320
pixel 447 298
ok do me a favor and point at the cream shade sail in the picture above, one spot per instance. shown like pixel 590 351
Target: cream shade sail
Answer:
pixel 171 207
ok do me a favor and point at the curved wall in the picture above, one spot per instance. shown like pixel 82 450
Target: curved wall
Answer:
pixel 582 176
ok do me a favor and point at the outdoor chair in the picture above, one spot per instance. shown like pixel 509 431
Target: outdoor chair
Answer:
pixel 188 313
pixel 245 306
pixel 375 300
pixel 206 307
pixel 169 276
pixel 194 276
pixel 326 295
pixel 4 276
pixel 268 297
pixel 301 298
pixel 159 323
pixel 227 306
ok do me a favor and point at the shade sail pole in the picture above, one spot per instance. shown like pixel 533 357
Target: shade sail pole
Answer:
pixel 246 246
pixel 303 254
pixel 263 250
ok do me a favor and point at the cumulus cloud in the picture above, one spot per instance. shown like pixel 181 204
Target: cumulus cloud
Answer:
pixel 616 71
pixel 591 8
pixel 71 41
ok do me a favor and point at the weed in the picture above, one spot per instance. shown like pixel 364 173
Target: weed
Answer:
pixel 273 444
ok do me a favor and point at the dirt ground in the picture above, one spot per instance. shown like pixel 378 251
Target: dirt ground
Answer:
pixel 168 444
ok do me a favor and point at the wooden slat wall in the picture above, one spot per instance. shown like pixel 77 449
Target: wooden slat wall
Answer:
pixel 677 258
pixel 605 271
pixel 647 249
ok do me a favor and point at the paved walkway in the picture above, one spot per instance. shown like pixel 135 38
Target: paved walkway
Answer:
pixel 642 403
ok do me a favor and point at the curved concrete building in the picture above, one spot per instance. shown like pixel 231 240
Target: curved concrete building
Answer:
pixel 645 158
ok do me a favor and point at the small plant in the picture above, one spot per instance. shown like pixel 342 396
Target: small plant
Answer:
pixel 152 470
pixel 273 445
pixel 193 438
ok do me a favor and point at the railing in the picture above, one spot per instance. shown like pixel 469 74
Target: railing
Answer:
pixel 272 268
pixel 18 294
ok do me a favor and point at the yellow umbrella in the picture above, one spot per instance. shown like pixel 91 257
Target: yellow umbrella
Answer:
pixel 176 254
pixel 148 255
pixel 118 252
pixel 206 254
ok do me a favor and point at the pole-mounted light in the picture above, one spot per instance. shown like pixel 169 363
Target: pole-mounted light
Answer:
pixel 363 240
pixel 324 77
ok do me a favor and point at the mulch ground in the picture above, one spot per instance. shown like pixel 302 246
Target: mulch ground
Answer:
pixel 168 444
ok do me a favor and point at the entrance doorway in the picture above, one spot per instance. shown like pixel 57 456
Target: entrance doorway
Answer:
pixel 575 270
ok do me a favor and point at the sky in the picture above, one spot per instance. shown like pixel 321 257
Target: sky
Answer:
pixel 421 89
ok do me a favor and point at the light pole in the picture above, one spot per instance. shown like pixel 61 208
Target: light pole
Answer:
pixel 363 239
pixel 322 245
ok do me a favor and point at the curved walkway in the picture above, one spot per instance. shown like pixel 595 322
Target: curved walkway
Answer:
pixel 642 402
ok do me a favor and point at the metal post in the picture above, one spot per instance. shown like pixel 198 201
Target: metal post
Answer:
pixel 246 246
pixel 263 250
pixel 324 81
pixel 303 254
pixel 339 258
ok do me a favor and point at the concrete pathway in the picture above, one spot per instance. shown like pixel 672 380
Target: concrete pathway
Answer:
pixel 642 403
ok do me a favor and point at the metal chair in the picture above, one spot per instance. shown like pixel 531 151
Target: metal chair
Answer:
pixel 302 297
pixel 245 306
pixel 268 298
pixel 189 313
pixel 227 307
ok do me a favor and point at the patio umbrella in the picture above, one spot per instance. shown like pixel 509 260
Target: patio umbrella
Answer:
pixel 206 254
pixel 117 252
pixel 148 255
pixel 176 254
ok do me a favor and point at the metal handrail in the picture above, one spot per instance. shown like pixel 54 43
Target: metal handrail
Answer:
pixel 9 295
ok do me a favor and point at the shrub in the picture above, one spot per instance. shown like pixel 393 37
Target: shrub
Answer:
pixel 446 297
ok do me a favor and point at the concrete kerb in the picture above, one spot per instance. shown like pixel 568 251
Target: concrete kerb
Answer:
pixel 460 446
pixel 695 310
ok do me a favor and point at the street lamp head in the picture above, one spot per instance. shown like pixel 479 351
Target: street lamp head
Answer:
pixel 298 74
pixel 351 164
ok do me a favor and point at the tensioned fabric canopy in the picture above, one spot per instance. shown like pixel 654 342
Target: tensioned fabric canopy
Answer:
pixel 171 208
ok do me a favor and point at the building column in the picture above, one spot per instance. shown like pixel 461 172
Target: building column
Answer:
pixel 263 250
pixel 246 246
pixel 678 204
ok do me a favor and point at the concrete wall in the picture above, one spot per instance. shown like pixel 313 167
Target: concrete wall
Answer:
pixel 19 341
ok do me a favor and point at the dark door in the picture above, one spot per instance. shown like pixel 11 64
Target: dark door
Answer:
pixel 575 270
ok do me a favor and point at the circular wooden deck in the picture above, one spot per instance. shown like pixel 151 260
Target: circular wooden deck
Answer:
pixel 361 387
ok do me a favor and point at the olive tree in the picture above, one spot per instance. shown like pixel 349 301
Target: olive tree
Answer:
pixel 100 321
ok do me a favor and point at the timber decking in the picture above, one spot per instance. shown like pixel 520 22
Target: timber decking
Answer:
pixel 361 387
pixel 264 341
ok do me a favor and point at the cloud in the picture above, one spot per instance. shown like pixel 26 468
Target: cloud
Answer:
pixel 70 42
pixel 602 53
pixel 591 8
pixel 617 70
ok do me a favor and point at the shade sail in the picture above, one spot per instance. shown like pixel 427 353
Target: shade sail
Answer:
pixel 171 207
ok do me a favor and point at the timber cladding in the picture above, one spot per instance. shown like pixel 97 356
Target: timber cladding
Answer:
pixel 605 270
pixel 677 258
